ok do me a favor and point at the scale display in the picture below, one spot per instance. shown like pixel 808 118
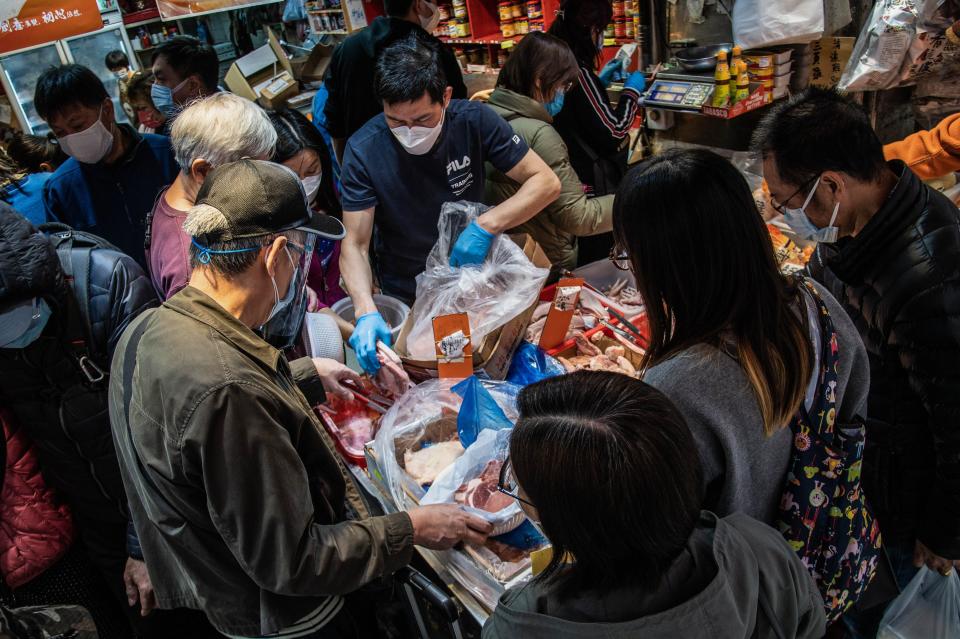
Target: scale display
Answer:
pixel 679 95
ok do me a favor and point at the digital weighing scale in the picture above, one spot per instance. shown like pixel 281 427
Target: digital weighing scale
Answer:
pixel 677 89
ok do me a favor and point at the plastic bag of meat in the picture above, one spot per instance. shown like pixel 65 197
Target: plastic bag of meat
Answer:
pixel 418 437
pixel 472 482
pixel 491 294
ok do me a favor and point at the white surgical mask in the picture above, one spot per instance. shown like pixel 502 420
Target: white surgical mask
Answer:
pixel 90 145
pixel 798 221
pixel 430 22
pixel 121 74
pixel 311 184
pixel 418 140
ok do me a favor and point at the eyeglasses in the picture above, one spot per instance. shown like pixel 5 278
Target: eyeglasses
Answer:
pixel 508 483
pixel 619 258
pixel 781 208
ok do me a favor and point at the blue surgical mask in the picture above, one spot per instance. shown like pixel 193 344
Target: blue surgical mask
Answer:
pixel 554 106
pixel 163 97
pixel 40 314
pixel 800 224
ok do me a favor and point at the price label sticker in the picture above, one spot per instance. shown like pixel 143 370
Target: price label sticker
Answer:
pixel 452 346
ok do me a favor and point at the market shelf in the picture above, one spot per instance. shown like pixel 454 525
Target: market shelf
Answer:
pixel 140 18
pixel 325 11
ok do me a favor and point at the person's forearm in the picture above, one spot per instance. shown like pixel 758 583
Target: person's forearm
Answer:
pixel 339 146
pixel 355 270
pixel 346 328
pixel 534 194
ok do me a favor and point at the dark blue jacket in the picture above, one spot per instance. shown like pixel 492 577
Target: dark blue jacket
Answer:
pixel 113 201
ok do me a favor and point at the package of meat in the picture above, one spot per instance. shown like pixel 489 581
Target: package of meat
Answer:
pixel 418 439
pixel 351 423
pixel 472 482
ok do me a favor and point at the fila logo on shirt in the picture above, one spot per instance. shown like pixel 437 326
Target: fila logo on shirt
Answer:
pixel 458 165
pixel 516 139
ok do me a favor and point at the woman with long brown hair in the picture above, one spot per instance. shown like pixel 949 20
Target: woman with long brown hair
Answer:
pixel 735 344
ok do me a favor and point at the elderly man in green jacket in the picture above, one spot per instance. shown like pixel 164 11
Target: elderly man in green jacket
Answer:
pixel 243 508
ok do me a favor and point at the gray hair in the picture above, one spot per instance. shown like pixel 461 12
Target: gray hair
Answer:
pixel 222 128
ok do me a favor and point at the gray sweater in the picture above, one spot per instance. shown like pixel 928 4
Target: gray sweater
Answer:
pixel 744 470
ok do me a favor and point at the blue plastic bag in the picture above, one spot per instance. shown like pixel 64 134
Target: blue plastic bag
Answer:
pixel 928 608
pixel 479 410
pixel 531 364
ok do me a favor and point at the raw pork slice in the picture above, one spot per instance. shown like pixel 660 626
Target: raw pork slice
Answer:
pixel 425 464
pixel 481 492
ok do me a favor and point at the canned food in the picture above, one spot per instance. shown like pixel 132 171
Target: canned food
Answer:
pixel 618 8
pixel 463 29
pixel 536 24
pixel 522 26
pixel 444 10
pixel 517 10
pixel 452 29
pixel 620 27
pixel 534 9
pixel 505 12
pixel 508 29
pixel 460 12
pixel 609 31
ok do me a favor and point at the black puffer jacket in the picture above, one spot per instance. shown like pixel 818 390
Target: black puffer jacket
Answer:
pixel 65 416
pixel 899 279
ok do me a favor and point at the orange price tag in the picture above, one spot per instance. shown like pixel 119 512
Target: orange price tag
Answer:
pixel 451 338
pixel 561 312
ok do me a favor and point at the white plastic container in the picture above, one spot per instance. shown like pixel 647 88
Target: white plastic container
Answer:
pixel 393 310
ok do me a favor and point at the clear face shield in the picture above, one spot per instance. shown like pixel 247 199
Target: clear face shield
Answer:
pixel 283 325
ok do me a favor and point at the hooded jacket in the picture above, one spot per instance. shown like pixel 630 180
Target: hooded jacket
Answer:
pixel 572 214
pixel 736 578
pixel 899 281
pixel 35 527
pixel 352 99
pixel 64 415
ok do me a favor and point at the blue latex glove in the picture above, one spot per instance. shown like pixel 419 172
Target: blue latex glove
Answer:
pixel 370 329
pixel 636 81
pixel 472 246
pixel 610 72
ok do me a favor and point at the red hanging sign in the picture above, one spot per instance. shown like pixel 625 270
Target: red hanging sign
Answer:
pixel 39 21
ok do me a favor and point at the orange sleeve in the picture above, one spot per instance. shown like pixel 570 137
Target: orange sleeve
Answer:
pixel 930 154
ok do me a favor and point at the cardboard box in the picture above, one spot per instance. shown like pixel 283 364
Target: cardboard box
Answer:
pixel 312 67
pixel 249 75
pixel 278 91
pixel 492 356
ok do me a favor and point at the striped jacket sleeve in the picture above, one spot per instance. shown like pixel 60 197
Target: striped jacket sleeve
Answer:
pixel 602 124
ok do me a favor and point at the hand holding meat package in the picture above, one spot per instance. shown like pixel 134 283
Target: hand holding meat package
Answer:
pixel 419 438
pixel 491 294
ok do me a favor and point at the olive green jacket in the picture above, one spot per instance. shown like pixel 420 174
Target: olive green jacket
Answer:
pixel 572 214
pixel 237 493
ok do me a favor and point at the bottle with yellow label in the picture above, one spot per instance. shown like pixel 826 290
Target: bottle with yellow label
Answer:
pixel 743 83
pixel 735 60
pixel 721 81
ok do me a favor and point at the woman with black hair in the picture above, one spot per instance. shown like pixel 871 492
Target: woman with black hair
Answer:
pixel 734 343
pixel 633 554
pixel 36 153
pixel 301 148
pixel 531 91
pixel 22 189
pixel 595 132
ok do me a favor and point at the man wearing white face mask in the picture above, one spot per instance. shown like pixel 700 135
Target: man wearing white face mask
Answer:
pixel 399 169
pixel 215 131
pixel 889 251
pixel 243 508
pixel 114 174
pixel 351 99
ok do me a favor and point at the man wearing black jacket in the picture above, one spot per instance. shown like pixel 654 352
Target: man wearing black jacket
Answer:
pixel 349 78
pixel 889 251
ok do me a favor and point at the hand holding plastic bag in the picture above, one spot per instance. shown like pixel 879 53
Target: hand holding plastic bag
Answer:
pixel 928 608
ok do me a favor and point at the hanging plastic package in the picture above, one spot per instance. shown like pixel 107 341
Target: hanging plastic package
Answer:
pixel 478 411
pixel 419 436
pixel 765 23
pixel 928 608
pixel 881 48
pixel 531 364
pixel 491 294
pixel 472 482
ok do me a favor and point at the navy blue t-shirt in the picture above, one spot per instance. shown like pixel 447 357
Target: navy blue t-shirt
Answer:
pixel 408 190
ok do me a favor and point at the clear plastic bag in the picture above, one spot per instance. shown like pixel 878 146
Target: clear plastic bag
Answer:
pixel 928 608
pixel 425 416
pixel 490 449
pixel 491 294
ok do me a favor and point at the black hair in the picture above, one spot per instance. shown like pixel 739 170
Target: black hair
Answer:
pixel 727 292
pixel 116 59
pixel 30 151
pixel 397 8
pixel 604 447
pixel 407 69
pixel 295 133
pixel 67 85
pixel 819 130
pixel 189 56
pixel 138 86
pixel 576 21
pixel 539 57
